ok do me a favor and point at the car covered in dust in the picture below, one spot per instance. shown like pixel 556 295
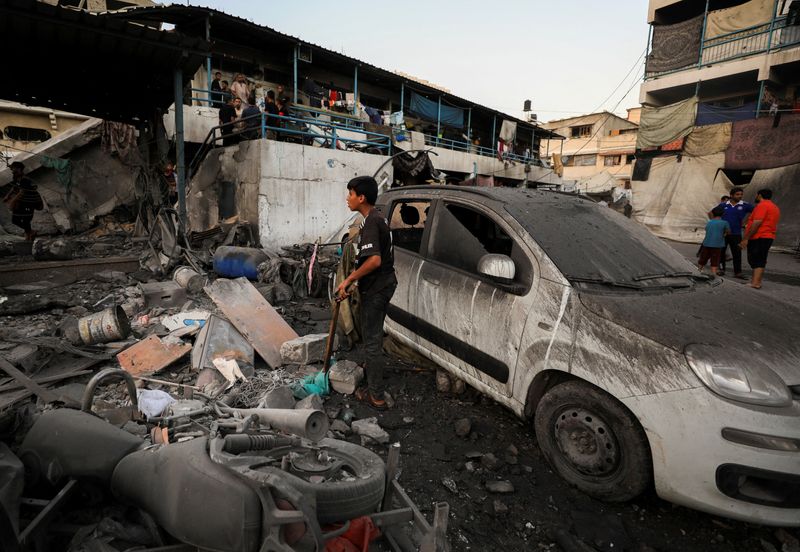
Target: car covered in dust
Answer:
pixel 635 368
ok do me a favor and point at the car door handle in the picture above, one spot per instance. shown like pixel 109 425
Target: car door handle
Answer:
pixel 545 326
pixel 430 279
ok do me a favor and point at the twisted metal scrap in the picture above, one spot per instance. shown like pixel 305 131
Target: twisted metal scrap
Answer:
pixel 251 390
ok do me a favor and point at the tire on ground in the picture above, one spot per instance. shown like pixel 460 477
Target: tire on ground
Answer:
pixel 633 473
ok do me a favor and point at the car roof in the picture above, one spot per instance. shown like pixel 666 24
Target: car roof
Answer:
pixel 500 194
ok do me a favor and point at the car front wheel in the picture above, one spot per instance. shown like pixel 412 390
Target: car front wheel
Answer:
pixel 593 441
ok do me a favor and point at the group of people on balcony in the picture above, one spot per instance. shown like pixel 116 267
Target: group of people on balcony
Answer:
pixel 240 117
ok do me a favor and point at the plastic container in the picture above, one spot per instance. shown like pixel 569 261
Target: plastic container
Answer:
pixel 188 279
pixel 235 262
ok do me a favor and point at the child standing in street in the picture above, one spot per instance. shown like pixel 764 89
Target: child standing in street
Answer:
pixel 714 242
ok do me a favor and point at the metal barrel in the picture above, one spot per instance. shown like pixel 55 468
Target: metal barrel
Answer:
pixel 188 279
pixel 311 424
pixel 111 324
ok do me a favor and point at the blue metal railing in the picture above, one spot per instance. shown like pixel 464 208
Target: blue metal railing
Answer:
pixel 466 147
pixel 745 42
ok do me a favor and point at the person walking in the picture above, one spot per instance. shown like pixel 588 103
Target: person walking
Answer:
pixel 375 276
pixel 22 200
pixel 735 213
pixel 760 233
pixel 714 243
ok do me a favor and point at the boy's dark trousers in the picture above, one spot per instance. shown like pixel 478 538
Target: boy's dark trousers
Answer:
pixel 732 241
pixel 373 313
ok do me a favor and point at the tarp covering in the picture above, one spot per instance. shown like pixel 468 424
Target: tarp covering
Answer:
pixel 708 139
pixel 756 144
pixel 428 109
pixel 675 46
pixel 743 16
pixel 600 183
pixel 785 185
pixel 508 131
pixel 708 114
pixel 675 200
pixel 662 125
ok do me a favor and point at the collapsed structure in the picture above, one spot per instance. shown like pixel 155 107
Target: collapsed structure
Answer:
pixel 721 108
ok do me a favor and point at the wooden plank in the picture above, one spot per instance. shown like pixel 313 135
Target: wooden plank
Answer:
pixel 253 316
pixel 151 355
pixel 43 393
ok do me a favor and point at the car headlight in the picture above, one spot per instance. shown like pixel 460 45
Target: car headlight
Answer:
pixel 747 380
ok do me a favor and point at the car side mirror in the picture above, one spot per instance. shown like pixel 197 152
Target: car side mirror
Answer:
pixel 497 267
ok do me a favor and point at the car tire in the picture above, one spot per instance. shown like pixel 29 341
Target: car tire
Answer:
pixel 593 442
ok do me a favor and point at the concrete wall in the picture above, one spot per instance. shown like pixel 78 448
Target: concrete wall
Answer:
pixel 303 190
pixel 54 122
pixel 197 122
pixel 289 193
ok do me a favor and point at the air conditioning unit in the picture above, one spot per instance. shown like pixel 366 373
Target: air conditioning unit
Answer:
pixel 533 118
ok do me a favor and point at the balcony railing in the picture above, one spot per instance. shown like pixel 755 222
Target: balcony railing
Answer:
pixel 758 39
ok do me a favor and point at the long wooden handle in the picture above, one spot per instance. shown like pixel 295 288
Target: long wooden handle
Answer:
pixel 331 336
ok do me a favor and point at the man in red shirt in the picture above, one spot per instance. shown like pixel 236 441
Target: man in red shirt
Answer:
pixel 760 233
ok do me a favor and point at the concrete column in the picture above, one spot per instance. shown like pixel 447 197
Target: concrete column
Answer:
pixel 294 78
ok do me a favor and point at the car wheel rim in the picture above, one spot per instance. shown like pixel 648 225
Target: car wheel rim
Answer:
pixel 586 442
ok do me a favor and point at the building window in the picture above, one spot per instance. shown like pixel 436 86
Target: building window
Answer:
pixel 26 134
pixel 582 131
pixel 581 161
pixel 628 130
pixel 612 160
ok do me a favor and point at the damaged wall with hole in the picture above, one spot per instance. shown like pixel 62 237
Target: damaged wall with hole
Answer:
pixel 289 193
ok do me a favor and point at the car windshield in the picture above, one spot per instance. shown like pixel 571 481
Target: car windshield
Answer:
pixel 592 243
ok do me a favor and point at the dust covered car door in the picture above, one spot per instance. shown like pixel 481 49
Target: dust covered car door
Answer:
pixel 473 294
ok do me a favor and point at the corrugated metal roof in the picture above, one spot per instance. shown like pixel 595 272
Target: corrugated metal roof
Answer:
pixel 91 64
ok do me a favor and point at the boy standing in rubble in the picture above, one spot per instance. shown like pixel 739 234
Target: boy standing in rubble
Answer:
pixel 22 200
pixel 374 274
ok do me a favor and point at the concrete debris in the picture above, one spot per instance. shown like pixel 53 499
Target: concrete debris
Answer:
pixel 463 427
pixel 442 381
pixel 345 376
pixel 369 429
pixel 341 427
pixel 58 249
pixel 308 349
pixel 163 294
pixel 500 508
pixel 790 543
pixel 450 485
pixel 500 487
pixel 280 397
pixel 457 386
pixel 312 402
pixel 490 462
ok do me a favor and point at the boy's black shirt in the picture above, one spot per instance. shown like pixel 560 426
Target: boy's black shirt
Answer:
pixel 375 238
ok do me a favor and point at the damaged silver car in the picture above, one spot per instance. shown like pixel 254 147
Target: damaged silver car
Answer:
pixel 635 368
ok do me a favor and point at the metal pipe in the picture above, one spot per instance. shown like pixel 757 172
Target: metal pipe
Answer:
pixel 180 160
pixel 469 126
pixel 402 95
pixel 355 91
pixel 438 119
pixel 772 26
pixel 208 60
pixel 101 376
pixel 760 98
pixel 311 424
pixel 494 141
pixel 294 65
pixel 703 35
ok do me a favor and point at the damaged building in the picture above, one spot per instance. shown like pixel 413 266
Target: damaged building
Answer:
pixel 720 109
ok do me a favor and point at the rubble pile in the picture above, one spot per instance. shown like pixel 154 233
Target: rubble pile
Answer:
pixel 171 340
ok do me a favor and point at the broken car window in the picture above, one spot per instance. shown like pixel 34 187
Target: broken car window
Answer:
pixel 462 236
pixel 407 223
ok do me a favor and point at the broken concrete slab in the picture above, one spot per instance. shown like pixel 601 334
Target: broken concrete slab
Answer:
pixel 344 376
pixel 59 249
pixel 253 316
pixel 280 397
pixel 151 355
pixel 369 428
pixel 463 427
pixel 312 402
pixel 307 349
pixel 500 487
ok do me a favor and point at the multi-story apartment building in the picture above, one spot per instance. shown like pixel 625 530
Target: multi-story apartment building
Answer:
pixel 721 107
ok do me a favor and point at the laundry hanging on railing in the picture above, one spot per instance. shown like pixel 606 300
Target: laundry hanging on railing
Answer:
pixel 508 131
pixel 675 46
pixel 744 16
pixel 708 114
pixel 662 125
pixel 428 110
pixel 708 139
pixel 757 144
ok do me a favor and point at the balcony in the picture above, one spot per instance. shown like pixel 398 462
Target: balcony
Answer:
pixel 759 39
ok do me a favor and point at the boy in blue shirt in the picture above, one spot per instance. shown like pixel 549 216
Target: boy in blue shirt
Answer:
pixel 714 242
pixel 735 212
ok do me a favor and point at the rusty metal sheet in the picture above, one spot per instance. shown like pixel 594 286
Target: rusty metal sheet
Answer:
pixel 151 355
pixel 253 316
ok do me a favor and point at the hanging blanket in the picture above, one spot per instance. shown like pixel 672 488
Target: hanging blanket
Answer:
pixel 428 109
pixel 641 169
pixel 708 139
pixel 662 125
pixel 743 16
pixel 708 114
pixel 675 46
pixel 755 144
pixel 508 131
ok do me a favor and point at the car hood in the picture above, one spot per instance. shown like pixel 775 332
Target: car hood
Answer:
pixel 744 321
